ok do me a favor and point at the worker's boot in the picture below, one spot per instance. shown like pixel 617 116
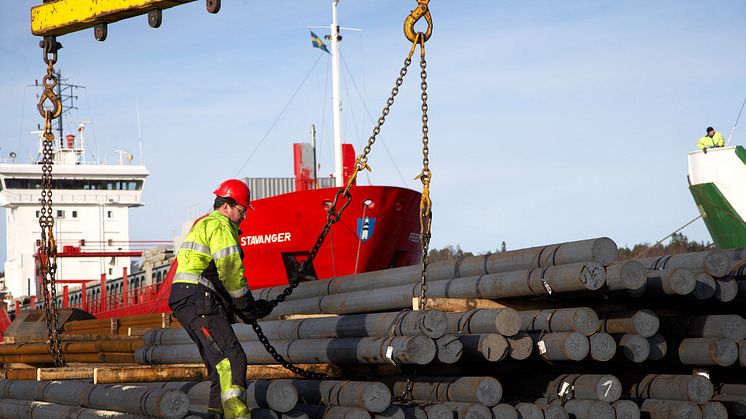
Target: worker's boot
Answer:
pixel 214 413
pixel 235 408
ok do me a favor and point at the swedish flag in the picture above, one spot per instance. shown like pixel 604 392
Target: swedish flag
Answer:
pixel 316 42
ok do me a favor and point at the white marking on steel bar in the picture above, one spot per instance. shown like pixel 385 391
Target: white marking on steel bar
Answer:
pixel 608 384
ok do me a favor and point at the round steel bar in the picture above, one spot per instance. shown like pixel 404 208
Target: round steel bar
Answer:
pixel 635 348
pixel 658 347
pixel 553 411
pixel 504 411
pixel 581 319
pixel 565 346
pixel 433 411
pixel 714 410
pixel 488 347
pixel 726 289
pixel 626 409
pixel 391 412
pixel 529 411
pixel 521 346
pixel 693 388
pixel 627 276
pixel 504 321
pixel 589 409
pixel 714 262
pixel 706 326
pixel 483 390
pixel 708 351
pixel 675 281
pixel 431 323
pixel 668 409
pixel 333 412
pixel 602 347
pixel 705 287
pixel 640 322
pixel 449 349
pixel 400 350
pixel 469 410
pixel 736 405
pixel 369 395
pixel 278 395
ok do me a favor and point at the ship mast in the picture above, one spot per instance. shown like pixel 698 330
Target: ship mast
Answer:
pixel 335 38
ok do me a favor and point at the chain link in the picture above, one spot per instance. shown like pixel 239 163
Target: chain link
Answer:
pixel 343 197
pixel 334 214
pixel 47 250
pixel 426 213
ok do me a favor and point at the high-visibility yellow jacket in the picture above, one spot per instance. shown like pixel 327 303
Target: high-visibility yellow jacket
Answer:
pixel 711 142
pixel 212 239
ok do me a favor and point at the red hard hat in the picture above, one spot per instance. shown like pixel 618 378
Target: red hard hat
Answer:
pixel 236 189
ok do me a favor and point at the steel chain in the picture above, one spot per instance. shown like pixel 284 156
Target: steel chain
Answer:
pixel 47 250
pixel 426 213
pixel 334 214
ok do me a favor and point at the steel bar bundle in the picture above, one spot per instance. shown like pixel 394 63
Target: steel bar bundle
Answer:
pixel 372 396
pixel 430 323
pixel 419 350
pixel 91 351
pixel 582 319
pixel 127 399
pixel 560 279
pixel 483 390
pixel 558 331
pixel 12 408
pixel 601 250
pixel 714 262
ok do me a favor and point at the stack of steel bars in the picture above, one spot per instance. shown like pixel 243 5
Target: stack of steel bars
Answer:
pixel 555 331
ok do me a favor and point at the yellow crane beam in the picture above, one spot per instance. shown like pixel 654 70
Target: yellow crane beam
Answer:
pixel 61 17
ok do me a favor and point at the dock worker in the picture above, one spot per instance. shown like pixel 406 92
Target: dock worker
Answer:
pixel 713 139
pixel 209 284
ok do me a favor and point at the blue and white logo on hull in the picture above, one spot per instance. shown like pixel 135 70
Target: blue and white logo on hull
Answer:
pixel 365 228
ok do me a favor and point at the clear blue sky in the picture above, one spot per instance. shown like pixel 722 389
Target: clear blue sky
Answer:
pixel 550 121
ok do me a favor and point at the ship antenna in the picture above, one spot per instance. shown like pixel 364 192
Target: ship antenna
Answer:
pixel 736 123
pixel 139 131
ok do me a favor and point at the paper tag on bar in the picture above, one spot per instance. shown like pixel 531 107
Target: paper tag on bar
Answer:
pixel 564 389
pixel 542 347
pixel 390 354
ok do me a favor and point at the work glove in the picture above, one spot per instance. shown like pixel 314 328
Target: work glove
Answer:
pixel 254 310
pixel 243 302
pixel 705 150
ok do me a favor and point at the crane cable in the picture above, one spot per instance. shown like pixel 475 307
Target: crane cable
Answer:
pixel 47 251
pixel 733 130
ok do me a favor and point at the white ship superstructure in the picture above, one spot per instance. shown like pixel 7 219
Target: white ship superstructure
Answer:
pixel 91 210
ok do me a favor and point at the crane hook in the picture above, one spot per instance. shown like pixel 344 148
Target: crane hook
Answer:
pixel 416 14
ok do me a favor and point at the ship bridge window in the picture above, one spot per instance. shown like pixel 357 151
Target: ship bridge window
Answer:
pixel 79 184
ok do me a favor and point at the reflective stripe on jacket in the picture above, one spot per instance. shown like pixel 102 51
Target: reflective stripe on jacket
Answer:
pixel 711 142
pixel 213 238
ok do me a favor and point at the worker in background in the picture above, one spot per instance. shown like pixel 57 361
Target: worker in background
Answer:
pixel 713 139
pixel 209 284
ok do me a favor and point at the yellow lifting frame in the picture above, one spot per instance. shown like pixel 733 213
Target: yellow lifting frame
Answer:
pixel 61 17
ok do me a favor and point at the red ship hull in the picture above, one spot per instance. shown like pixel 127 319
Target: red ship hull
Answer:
pixel 378 230
pixel 283 229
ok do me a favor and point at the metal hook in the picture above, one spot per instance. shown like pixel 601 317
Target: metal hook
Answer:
pixel 416 14
pixel 49 95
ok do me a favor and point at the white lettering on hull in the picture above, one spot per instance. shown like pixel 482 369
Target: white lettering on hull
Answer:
pixel 265 239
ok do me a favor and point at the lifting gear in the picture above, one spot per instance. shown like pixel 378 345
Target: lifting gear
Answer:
pixel 64 16
pixel 335 210
pixel 60 17
pixel 48 247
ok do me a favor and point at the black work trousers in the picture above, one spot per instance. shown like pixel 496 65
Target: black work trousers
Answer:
pixel 208 323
